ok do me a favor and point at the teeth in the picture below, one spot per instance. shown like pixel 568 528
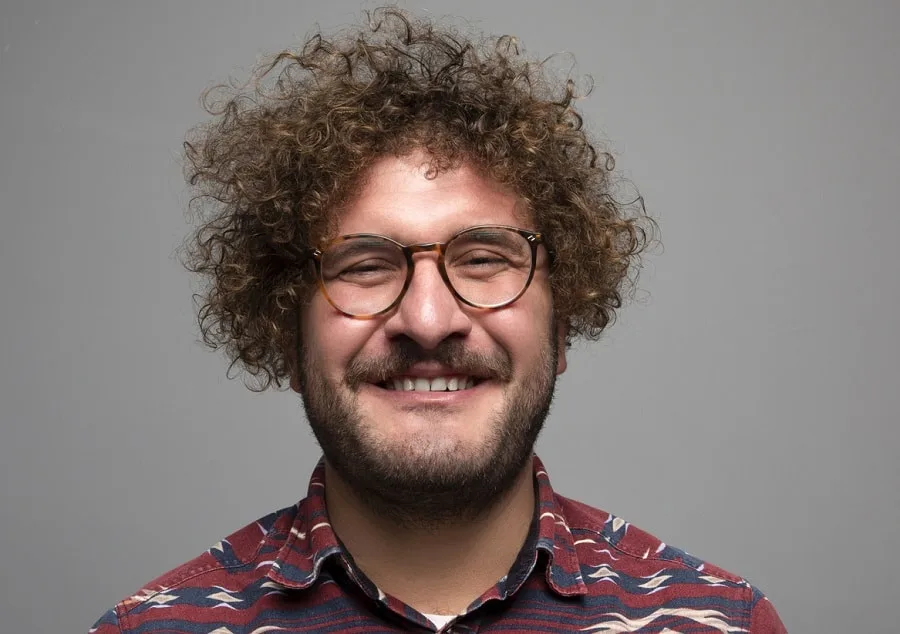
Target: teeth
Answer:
pixel 437 384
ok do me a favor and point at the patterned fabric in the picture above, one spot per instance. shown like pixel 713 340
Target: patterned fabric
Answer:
pixel 580 570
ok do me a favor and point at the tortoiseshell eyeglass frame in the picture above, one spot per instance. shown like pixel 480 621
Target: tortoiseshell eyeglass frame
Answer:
pixel 534 239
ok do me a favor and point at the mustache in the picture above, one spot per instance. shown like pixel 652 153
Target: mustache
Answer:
pixel 451 353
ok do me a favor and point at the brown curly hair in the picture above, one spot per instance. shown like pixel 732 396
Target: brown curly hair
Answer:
pixel 286 149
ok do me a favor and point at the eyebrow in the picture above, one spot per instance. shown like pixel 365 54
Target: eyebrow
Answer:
pixel 361 243
pixel 491 236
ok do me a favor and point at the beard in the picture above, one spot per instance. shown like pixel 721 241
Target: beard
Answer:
pixel 427 482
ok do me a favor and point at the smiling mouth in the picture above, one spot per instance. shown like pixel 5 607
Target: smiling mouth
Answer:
pixel 436 384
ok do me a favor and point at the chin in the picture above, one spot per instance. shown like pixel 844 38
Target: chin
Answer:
pixel 428 448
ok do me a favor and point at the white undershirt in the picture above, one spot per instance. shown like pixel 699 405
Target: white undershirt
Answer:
pixel 440 620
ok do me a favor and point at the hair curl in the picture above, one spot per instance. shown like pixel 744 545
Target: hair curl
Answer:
pixel 283 151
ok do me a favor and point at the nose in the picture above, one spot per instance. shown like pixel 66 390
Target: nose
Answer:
pixel 428 313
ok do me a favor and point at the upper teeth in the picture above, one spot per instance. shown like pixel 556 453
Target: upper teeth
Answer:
pixel 437 384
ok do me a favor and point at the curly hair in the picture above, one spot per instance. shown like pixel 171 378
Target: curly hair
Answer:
pixel 283 151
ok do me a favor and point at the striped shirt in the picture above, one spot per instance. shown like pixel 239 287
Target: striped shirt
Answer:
pixel 580 569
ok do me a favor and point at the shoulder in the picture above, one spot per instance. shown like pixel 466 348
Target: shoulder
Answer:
pixel 612 552
pixel 634 544
pixel 229 568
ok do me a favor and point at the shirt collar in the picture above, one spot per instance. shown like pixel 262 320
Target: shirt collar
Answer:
pixel 312 540
pixel 555 538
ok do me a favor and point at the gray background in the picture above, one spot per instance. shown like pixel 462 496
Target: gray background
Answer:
pixel 744 409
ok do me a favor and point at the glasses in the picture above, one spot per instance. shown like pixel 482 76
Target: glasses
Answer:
pixel 364 275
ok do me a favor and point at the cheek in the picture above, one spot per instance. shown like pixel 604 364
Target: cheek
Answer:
pixel 522 330
pixel 333 339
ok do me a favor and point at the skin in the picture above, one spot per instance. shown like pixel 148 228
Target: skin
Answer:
pixel 435 548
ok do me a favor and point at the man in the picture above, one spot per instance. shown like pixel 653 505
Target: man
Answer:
pixel 410 228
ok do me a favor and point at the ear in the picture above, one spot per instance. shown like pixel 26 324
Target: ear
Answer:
pixel 291 355
pixel 562 330
pixel 295 379
pixel 291 358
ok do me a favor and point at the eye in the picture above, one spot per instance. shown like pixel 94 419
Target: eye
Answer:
pixel 480 263
pixel 482 258
pixel 367 269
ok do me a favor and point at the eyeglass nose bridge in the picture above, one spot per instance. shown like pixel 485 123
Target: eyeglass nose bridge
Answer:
pixel 426 247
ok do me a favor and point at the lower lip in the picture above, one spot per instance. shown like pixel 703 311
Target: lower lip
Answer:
pixel 421 397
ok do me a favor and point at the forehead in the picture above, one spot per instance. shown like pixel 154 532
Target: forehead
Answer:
pixel 400 198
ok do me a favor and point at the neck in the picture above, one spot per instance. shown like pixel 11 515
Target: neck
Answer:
pixel 438 569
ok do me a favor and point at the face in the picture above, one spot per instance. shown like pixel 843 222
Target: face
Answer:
pixel 428 456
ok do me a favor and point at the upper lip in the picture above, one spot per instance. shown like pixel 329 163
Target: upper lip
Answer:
pixel 433 372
